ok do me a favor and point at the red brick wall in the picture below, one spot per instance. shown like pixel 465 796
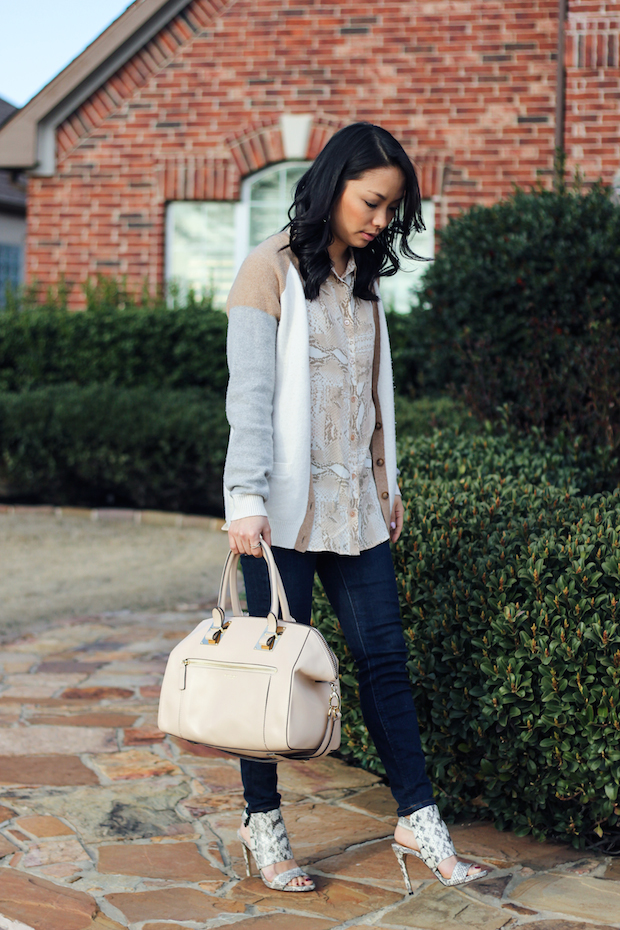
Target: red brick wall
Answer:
pixel 468 86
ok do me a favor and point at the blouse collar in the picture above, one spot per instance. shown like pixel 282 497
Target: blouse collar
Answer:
pixel 348 271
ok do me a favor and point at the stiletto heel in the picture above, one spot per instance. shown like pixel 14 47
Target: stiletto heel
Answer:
pixel 400 855
pixel 433 838
pixel 246 856
pixel 269 844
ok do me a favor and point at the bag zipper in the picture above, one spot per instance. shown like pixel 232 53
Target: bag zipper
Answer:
pixel 266 669
pixel 212 663
pixel 233 666
pixel 332 656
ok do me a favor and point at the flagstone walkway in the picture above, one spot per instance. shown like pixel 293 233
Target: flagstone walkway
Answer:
pixel 106 823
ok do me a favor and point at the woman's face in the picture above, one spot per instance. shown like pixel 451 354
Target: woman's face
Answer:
pixel 366 206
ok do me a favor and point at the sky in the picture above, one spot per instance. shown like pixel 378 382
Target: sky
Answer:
pixel 39 38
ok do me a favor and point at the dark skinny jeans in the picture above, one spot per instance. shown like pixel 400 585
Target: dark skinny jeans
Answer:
pixel 362 590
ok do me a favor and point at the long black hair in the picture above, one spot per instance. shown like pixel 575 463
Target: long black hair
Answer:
pixel 349 153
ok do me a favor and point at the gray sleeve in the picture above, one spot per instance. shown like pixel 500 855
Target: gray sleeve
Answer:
pixel 251 351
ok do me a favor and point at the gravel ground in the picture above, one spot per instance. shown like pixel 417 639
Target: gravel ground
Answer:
pixel 54 567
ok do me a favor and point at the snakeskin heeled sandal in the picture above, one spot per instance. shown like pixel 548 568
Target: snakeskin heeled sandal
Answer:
pixel 431 835
pixel 269 844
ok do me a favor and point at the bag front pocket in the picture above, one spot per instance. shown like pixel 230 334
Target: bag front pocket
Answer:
pixel 224 703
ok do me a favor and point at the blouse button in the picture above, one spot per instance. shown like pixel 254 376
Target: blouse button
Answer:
pixel 380 462
pixel 347 322
pixel 352 437
pixel 385 495
pixel 377 425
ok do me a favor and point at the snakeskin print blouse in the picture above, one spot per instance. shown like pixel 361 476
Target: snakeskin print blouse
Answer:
pixel 348 516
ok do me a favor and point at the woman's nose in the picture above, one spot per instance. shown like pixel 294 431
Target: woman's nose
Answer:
pixel 380 219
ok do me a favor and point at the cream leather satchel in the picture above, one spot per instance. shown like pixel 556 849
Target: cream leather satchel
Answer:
pixel 257 687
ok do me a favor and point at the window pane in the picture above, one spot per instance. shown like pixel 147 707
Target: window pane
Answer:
pixel 292 177
pixel 400 291
pixel 264 221
pixel 266 188
pixel 201 247
pixel 10 268
pixel 270 196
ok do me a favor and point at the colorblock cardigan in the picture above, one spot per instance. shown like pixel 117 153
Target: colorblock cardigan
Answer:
pixel 267 470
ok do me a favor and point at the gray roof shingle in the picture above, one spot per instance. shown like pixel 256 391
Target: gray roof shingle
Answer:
pixel 6 109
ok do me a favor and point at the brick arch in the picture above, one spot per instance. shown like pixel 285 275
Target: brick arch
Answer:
pixel 261 145
pixel 192 177
pixel 433 170
pixel 256 147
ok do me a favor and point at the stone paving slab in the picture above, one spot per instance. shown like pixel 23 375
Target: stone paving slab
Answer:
pixel 180 862
pixel 41 740
pixel 588 898
pixel 107 823
pixel 54 769
pixel 372 863
pixel 437 907
pixel 481 840
pixel 566 925
pixel 280 922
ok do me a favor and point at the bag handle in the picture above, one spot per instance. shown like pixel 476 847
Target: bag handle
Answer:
pixel 229 583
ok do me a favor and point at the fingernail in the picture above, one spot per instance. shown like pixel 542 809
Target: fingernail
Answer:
pixel 393 525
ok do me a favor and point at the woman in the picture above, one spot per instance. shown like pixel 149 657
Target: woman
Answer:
pixel 311 463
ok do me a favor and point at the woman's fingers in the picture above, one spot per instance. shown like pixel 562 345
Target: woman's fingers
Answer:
pixel 244 535
pixel 244 545
pixel 398 513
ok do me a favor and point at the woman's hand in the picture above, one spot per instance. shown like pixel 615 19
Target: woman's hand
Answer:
pixel 244 535
pixel 396 520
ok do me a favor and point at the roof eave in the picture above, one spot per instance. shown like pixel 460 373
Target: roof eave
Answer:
pixel 28 139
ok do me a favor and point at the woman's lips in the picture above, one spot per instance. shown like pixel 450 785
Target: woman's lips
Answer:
pixel 368 236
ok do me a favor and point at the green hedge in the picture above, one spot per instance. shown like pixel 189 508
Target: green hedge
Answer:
pixel 103 445
pixel 522 308
pixel 421 416
pixel 509 592
pixel 118 341
pixel 131 346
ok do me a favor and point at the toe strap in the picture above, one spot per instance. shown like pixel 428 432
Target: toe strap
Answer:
pixel 284 878
pixel 459 873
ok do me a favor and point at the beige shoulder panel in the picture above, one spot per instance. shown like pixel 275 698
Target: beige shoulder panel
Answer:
pixel 262 277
